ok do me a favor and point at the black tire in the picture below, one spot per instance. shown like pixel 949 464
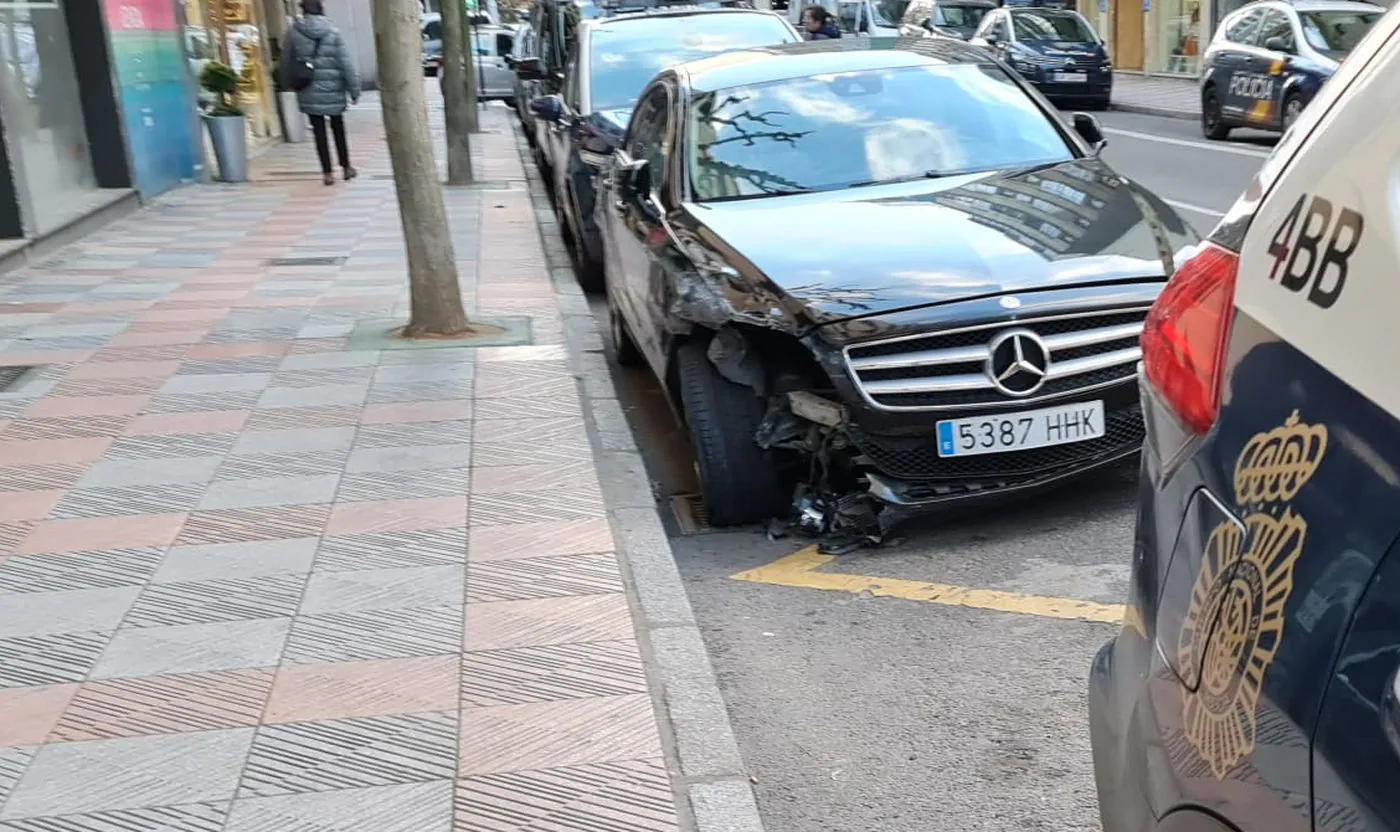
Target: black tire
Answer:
pixel 624 348
pixel 1292 108
pixel 588 271
pixel 1100 104
pixel 1213 124
pixel 740 482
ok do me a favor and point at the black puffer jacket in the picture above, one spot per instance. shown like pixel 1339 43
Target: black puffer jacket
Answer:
pixel 335 82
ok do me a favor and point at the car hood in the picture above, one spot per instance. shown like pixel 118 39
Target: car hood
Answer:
pixel 832 256
pixel 1064 49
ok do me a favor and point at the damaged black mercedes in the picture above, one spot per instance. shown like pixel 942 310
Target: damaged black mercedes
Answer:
pixel 878 277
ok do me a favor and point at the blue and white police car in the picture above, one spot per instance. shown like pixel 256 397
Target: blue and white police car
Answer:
pixel 1255 684
pixel 1268 59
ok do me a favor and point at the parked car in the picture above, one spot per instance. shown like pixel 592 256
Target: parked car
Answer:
pixel 888 261
pixel 948 18
pixel 1254 683
pixel 495 80
pixel 614 59
pixel 525 46
pixel 1055 49
pixel 1269 59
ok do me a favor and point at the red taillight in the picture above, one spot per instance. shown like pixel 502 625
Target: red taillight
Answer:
pixel 1184 337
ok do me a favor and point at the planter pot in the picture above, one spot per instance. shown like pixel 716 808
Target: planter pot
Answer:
pixel 229 136
pixel 293 122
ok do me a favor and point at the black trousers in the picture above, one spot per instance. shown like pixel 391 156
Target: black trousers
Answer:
pixel 323 149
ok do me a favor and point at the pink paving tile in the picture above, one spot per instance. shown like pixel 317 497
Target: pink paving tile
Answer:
pixel 397 515
pixel 441 411
pixel 206 294
pixel 254 350
pixel 248 524
pixel 52 406
pixel 369 688
pixel 275 303
pixel 530 540
pixel 147 705
pixel 126 369
pixel 571 732
pixel 213 421
pixel 27 505
pixel 571 619
pixel 158 339
pixel 51 451
pixel 132 532
pixel 30 713
pixel 206 315
pixel 29 308
pixel 105 307
pixel 28 359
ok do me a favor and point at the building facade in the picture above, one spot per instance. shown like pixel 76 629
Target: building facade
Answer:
pixel 1160 37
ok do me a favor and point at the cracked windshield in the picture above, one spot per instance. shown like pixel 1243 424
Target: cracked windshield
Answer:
pixel 699 416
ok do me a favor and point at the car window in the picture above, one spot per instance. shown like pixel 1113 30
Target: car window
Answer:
pixel 1060 27
pixel 647 137
pixel 626 54
pixel 848 16
pixel 1243 30
pixel 1275 24
pixel 1336 33
pixel 855 128
pixel 902 10
pixel 958 17
pixel 1002 29
pixel 432 30
pixel 504 42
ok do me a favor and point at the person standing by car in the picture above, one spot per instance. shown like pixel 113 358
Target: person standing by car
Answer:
pixel 317 64
pixel 817 22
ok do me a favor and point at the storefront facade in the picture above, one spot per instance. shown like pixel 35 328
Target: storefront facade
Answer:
pixel 1160 37
pixel 71 140
pixel 242 34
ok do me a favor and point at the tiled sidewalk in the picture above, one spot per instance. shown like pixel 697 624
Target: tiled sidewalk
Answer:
pixel 1172 97
pixel 254 576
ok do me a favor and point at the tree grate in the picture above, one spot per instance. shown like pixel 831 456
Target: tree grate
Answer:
pixel 10 376
pixel 307 261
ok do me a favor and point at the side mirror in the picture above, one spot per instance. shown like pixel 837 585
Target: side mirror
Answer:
pixel 547 108
pixel 1089 130
pixel 1278 44
pixel 529 69
pixel 634 186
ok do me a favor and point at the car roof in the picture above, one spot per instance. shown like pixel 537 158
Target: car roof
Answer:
pixel 984 3
pixel 800 60
pixel 666 11
pixel 1327 5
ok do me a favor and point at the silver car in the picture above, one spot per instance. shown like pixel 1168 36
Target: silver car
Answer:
pixel 494 77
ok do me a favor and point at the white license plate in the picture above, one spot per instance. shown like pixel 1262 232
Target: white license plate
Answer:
pixel 1021 431
pixel 1069 77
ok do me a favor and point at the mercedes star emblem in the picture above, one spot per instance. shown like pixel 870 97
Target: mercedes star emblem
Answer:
pixel 1018 362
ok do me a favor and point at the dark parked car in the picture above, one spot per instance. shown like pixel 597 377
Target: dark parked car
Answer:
pixel 1056 50
pixel 613 61
pixel 526 45
pixel 886 266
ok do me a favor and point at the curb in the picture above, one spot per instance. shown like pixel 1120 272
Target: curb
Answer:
pixel 1161 112
pixel 713 791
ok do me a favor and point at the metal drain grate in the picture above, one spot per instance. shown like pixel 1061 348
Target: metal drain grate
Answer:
pixel 10 376
pixel 691 513
pixel 307 261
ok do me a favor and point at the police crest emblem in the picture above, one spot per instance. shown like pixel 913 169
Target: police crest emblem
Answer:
pixel 1234 623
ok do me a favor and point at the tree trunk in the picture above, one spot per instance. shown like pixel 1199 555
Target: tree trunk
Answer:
pixel 457 109
pixel 469 48
pixel 435 298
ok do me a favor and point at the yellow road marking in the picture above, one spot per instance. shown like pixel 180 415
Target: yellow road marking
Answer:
pixel 800 570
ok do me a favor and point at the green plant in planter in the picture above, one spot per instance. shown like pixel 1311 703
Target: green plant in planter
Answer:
pixel 222 80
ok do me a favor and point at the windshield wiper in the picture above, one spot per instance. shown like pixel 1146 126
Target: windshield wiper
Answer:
pixel 928 174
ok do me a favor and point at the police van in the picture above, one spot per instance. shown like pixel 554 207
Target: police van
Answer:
pixel 1270 58
pixel 1254 684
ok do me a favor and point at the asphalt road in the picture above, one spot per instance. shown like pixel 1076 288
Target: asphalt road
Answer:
pixel 864 713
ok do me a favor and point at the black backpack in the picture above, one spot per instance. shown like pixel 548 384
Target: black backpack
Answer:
pixel 302 72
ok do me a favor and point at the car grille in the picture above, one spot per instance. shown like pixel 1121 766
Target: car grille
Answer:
pixel 947 370
pixel 916 458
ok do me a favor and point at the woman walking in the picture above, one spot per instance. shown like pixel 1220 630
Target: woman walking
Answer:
pixel 317 64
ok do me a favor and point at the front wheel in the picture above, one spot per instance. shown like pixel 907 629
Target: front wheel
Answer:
pixel 1292 109
pixel 587 269
pixel 740 481
pixel 1213 118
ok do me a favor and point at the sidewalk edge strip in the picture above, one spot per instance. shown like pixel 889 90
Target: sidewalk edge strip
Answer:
pixel 713 791
pixel 1161 112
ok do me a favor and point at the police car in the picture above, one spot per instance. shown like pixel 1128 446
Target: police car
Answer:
pixel 1254 683
pixel 1268 59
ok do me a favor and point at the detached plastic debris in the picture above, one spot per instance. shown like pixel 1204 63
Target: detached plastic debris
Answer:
pixel 840 524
